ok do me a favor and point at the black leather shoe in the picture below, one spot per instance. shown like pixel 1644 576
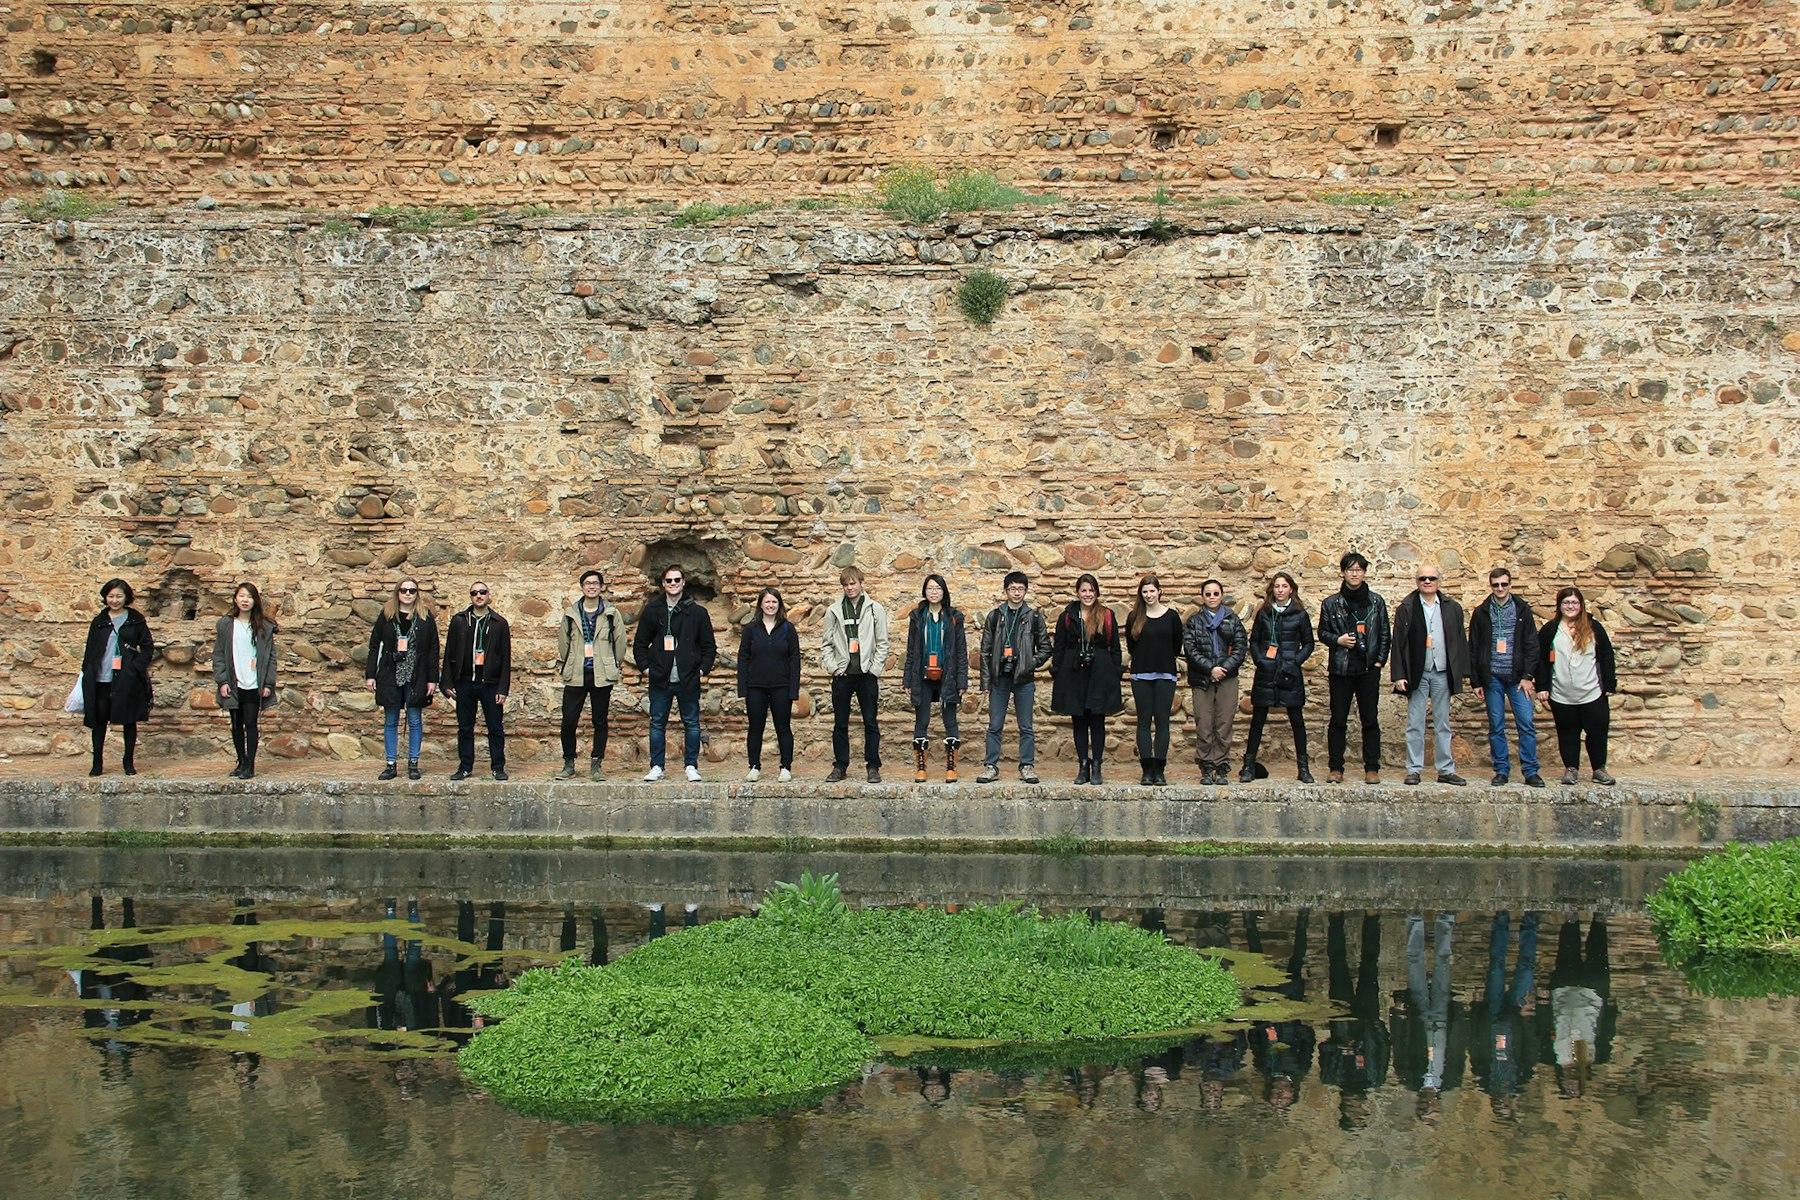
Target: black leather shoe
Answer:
pixel 1453 779
pixel 501 776
pixel 837 775
pixel 1081 776
pixel 390 773
pixel 1499 780
pixel 1534 781
pixel 412 769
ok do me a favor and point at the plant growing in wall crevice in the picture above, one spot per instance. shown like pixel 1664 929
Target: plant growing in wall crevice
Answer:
pixel 981 295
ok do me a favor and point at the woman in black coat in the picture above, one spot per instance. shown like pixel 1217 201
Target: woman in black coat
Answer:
pixel 935 672
pixel 1281 638
pixel 768 680
pixel 1085 665
pixel 115 672
pixel 402 670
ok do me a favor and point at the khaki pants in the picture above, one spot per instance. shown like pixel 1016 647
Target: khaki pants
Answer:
pixel 1214 710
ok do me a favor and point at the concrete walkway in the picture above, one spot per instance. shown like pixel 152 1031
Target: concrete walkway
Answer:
pixel 1648 815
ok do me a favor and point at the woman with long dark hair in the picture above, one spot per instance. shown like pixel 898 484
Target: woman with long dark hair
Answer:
pixel 1153 631
pixel 115 672
pixel 403 671
pixel 769 681
pixel 935 673
pixel 243 663
pixel 1281 638
pixel 1085 667
pixel 1576 657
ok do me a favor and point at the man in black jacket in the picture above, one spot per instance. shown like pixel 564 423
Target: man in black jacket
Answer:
pixel 1503 654
pixel 674 648
pixel 1429 661
pixel 1353 624
pixel 478 672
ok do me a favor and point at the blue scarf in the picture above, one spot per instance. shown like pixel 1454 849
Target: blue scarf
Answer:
pixel 1214 618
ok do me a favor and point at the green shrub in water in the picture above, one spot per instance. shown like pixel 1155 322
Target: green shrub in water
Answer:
pixel 1739 898
pixel 985 972
pixel 578 1045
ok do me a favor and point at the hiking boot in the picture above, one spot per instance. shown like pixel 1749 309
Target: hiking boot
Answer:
pixel 951 745
pixel 390 773
pixel 838 774
pixel 412 768
pixel 919 760
pixel 1603 779
pixel 989 773
pixel 596 770
pixel 568 770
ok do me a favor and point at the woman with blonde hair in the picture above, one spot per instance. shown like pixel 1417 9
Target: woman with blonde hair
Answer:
pixel 1575 659
pixel 402 670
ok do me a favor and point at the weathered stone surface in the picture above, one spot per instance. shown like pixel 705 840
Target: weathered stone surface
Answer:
pixel 348 107
pixel 1401 392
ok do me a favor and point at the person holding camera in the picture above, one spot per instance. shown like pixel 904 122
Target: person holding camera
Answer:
pixel 935 672
pixel 1085 674
pixel 1353 626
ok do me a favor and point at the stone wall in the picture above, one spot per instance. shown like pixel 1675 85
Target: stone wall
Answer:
pixel 1602 392
pixel 334 104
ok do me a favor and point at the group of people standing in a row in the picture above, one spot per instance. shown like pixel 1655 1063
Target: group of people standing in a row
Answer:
pixel 1426 648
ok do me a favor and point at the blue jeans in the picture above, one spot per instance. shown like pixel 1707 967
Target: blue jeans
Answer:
pixel 1499 995
pixel 415 732
pixel 1023 695
pixel 1499 695
pixel 687 695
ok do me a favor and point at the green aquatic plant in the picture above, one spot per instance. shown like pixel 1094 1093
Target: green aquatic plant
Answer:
pixel 579 1043
pixel 1739 898
pixel 814 900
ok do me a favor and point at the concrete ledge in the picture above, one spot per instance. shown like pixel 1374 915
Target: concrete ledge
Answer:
pixel 1348 816
pixel 715 879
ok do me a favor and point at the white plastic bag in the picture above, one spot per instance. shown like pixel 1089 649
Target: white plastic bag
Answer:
pixel 74 703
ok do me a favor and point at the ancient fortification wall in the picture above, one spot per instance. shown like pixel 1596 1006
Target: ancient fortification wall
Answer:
pixel 336 103
pixel 1599 391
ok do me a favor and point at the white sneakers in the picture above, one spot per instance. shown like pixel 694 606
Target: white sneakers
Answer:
pixel 786 776
pixel 693 774
pixel 752 775
pixel 654 774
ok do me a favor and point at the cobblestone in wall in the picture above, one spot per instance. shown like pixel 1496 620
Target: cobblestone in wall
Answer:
pixel 1605 395
pixel 336 104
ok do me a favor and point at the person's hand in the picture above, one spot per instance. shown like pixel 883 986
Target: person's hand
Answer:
pixel 371 684
pixel 1400 687
pixel 1346 639
pixel 224 690
pixel 1481 693
pixel 267 692
pixel 1218 673
pixel 500 700
pixel 430 689
pixel 1528 688
pixel 449 691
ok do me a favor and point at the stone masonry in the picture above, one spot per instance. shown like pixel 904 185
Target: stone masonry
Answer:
pixel 333 104
pixel 1595 389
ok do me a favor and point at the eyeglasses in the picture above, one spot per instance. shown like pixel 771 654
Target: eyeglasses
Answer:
pixel 478 591
pixel 672 579
pixel 409 591
pixel 1499 587
pixel 1428 579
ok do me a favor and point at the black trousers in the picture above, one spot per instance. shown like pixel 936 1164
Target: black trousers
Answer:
pixel 102 701
pixel 761 703
pixel 865 687
pixel 573 700
pixel 1366 690
pixel 243 724
pixel 1154 699
pixel 470 696
pixel 1259 715
pixel 1090 737
pixel 1572 721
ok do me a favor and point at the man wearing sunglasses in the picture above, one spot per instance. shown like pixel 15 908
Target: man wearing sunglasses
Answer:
pixel 478 674
pixel 674 648
pixel 1503 653
pixel 1429 661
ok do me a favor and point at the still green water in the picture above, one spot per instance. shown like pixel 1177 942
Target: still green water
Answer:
pixel 257 1024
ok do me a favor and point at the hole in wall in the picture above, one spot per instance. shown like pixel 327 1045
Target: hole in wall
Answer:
pixel 1203 353
pixel 1387 136
pixel 713 379
pixel 695 563
pixel 1162 139
pixel 42 62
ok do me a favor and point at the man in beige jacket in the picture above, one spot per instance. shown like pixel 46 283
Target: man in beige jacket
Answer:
pixel 855 651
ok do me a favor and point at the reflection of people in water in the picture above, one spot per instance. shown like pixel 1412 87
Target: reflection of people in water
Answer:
pixel 1500 1043
pixel 1428 1035
pixel 1153 1076
pixel 1580 1004
pixel 107 985
pixel 1219 1058
pixel 934 1084
pixel 1283 1050
pixel 1354 1056
pixel 405 994
pixel 246 1064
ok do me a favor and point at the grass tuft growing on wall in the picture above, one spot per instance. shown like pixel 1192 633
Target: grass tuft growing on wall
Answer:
pixel 981 295
pixel 914 193
pixel 58 205
pixel 704 212
pixel 412 218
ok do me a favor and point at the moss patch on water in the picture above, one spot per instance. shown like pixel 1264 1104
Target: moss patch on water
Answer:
pixel 1005 982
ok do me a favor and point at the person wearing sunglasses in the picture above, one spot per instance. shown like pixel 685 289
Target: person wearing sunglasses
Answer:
pixel 1428 663
pixel 675 649
pixel 1503 654
pixel 402 671
pixel 478 674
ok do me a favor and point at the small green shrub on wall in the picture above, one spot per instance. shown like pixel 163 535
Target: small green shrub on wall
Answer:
pixel 980 295
pixel 1739 898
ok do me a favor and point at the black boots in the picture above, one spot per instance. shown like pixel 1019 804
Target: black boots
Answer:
pixel 390 773
pixel 1248 774
pixel 1153 772
pixel 412 768
pixel 1094 771
pixel 1304 773
pixel 1148 776
pixel 1081 774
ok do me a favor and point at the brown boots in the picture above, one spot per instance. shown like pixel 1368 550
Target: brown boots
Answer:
pixel 950 745
pixel 919 760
